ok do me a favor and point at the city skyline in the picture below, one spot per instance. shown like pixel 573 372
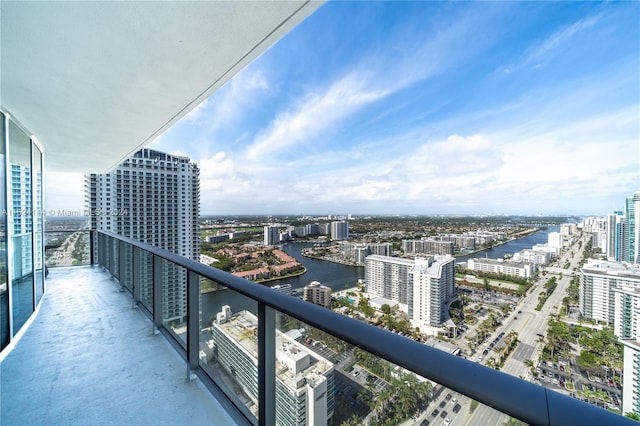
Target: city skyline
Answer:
pixel 423 108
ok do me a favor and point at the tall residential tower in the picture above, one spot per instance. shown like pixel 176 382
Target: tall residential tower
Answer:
pixel 152 197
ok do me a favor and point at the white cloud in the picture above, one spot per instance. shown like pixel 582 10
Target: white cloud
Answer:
pixel 313 114
pixel 539 54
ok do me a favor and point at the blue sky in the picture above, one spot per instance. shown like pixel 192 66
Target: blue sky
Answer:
pixel 428 108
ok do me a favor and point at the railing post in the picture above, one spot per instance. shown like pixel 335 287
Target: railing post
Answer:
pixel 266 365
pixel 135 275
pixel 121 264
pixel 157 293
pixel 92 258
pixel 193 323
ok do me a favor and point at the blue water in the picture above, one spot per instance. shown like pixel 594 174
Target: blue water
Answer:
pixel 511 247
pixel 339 277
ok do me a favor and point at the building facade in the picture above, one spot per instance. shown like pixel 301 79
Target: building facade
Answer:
pixel 610 292
pixel 633 227
pixel 305 381
pixel 271 235
pixel 421 287
pixel 317 294
pixel 427 246
pixel 388 277
pixel 152 197
pixel 433 284
pixel 339 230
pixel 497 266
pixel 599 281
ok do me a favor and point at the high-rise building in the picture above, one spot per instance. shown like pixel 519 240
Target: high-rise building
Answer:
pixel 339 230
pixel 633 243
pixel 612 235
pixel 421 286
pixel 152 197
pixel 304 380
pixel 433 284
pixel 317 294
pixel 427 246
pixel 610 292
pixel 388 277
pixel 271 235
pixel 599 280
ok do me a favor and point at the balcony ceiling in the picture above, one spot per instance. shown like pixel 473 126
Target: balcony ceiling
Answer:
pixel 95 81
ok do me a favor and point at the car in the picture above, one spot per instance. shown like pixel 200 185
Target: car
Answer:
pixel 443 414
pixel 425 422
pixel 448 397
pixel 485 352
pixel 442 404
pixel 515 318
pixel 435 412
pixel 447 421
pixel 457 408
pixel 454 401
pixel 519 312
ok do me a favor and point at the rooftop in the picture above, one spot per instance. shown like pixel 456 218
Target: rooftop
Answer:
pixel 90 358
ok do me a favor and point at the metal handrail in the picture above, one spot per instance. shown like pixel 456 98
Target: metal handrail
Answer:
pixel 511 395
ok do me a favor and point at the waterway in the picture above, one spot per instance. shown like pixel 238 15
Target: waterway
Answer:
pixel 512 246
pixel 339 277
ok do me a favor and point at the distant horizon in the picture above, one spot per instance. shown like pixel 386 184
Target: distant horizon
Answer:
pixel 423 107
pixel 354 216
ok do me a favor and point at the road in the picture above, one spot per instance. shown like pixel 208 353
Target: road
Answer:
pixel 530 326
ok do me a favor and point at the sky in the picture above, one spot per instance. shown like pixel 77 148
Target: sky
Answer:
pixel 425 108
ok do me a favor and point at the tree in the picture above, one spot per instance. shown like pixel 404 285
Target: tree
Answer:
pixel 634 416
pixel 386 309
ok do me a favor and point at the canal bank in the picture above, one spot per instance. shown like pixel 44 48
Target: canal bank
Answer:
pixel 339 276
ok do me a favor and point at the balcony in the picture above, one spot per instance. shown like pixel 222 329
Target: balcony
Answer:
pixel 104 349
pixel 89 358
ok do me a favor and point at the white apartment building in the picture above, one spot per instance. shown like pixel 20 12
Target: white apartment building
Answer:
pixel 304 380
pixel 610 292
pixel 152 197
pixel 433 284
pixel 555 239
pixel 357 252
pixel 388 277
pixel 499 266
pixel 598 281
pixel 271 235
pixel 538 257
pixel 421 286
pixel 339 230
pixel 427 246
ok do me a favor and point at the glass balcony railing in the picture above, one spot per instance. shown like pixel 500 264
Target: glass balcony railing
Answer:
pixel 280 360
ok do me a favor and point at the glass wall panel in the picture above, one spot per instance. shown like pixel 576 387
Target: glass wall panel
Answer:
pixel 4 293
pixel 126 266
pixel 228 344
pixel 146 280
pixel 22 227
pixel 38 222
pixel 322 379
pixel 174 300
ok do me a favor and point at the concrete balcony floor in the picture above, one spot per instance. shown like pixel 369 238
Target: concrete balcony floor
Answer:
pixel 89 358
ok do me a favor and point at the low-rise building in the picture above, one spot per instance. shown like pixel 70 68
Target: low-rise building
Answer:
pixel 499 266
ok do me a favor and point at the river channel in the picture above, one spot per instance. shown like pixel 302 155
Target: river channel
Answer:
pixel 339 277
